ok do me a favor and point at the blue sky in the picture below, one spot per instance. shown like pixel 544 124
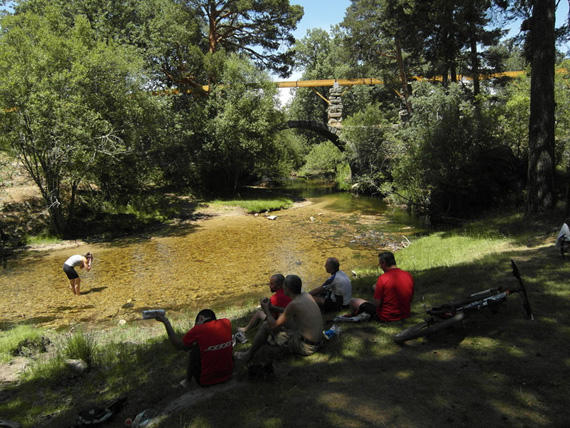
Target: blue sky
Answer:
pixel 320 14
pixel 325 13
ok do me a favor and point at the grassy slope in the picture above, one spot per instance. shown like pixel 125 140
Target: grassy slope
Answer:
pixel 494 370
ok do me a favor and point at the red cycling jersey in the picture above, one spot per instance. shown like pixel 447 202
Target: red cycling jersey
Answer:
pixel 279 299
pixel 214 339
pixel 395 290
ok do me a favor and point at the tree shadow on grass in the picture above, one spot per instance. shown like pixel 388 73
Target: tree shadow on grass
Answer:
pixel 493 370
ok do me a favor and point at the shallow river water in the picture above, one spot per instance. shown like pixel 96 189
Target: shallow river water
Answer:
pixel 217 262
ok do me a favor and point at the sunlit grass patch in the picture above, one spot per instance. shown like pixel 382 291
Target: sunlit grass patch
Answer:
pixel 252 206
pixel 444 249
pixel 20 335
pixel 404 374
pixel 441 249
pixel 42 239
pixel 555 288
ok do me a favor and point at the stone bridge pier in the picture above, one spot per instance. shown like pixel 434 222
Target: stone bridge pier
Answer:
pixel 335 107
pixel 332 129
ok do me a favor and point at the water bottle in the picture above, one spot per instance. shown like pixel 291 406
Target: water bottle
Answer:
pixel 144 418
pixel 331 332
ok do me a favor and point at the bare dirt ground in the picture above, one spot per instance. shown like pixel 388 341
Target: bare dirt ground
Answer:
pixel 10 372
pixel 16 187
pixel 21 206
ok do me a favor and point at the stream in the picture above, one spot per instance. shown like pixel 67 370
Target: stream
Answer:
pixel 217 262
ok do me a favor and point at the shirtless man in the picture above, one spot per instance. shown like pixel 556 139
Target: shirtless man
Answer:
pixel 299 328
pixel 83 262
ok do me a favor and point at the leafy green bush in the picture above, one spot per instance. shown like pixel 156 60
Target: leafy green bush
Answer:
pixel 371 147
pixel 324 159
pixel 454 164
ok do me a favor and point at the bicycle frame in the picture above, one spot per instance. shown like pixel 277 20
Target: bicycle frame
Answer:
pixel 444 316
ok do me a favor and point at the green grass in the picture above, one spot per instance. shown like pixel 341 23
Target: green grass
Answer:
pixel 493 370
pixel 42 239
pixel 447 249
pixel 12 339
pixel 252 206
pixel 81 346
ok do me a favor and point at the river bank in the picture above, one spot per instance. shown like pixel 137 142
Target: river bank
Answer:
pixel 494 370
pixel 491 371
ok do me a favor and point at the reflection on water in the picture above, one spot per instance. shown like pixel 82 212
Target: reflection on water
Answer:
pixel 308 188
pixel 349 203
pixel 215 263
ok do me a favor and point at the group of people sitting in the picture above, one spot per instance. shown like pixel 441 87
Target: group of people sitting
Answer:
pixel 290 318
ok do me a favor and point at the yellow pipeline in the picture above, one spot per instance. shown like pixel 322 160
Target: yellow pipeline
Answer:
pixel 349 82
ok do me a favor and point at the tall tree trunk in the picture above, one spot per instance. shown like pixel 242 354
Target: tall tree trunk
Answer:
pixel 403 76
pixel 475 65
pixel 541 167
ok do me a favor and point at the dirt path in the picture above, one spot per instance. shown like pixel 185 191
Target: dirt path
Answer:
pixel 10 372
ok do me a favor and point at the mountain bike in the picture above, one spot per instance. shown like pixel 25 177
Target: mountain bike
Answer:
pixel 444 316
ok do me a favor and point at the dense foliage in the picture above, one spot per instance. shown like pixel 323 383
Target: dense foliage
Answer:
pixel 452 147
pixel 86 85
pixel 72 104
pixel 78 91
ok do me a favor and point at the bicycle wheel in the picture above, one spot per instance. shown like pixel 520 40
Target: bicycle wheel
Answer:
pixel 522 291
pixel 425 328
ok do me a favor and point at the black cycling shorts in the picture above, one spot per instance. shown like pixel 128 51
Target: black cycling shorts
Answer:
pixel 330 306
pixel 367 307
pixel 70 271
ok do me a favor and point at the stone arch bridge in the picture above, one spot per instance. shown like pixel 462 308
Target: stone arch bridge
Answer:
pixel 332 133
pixel 332 129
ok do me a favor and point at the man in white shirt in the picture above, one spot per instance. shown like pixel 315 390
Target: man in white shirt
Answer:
pixel 335 293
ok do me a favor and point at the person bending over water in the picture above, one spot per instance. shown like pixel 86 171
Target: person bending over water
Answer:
pixel 299 327
pixel 83 262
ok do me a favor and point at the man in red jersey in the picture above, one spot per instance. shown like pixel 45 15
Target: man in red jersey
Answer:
pixel 209 343
pixel 277 303
pixel 393 292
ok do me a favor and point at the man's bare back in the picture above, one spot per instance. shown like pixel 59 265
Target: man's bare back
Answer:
pixel 304 315
pixel 301 324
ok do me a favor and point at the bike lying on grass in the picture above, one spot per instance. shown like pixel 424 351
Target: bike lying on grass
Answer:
pixel 444 316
